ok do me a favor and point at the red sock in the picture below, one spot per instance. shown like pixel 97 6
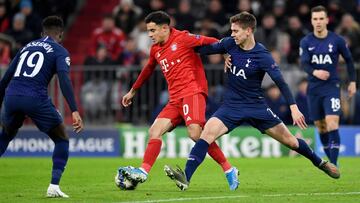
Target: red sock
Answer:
pixel 216 153
pixel 151 153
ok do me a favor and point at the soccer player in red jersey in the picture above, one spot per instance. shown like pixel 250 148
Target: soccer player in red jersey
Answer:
pixel 187 85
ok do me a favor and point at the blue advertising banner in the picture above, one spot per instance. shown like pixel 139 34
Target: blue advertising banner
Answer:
pixel 94 142
pixel 349 138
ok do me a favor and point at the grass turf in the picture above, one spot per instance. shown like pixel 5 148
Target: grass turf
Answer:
pixel 262 180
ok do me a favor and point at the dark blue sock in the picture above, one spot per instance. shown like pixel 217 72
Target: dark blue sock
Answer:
pixel 5 139
pixel 324 138
pixel 60 157
pixel 307 152
pixel 197 155
pixel 334 145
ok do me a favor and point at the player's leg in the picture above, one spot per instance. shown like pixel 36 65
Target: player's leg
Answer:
pixel 332 124
pixel 12 119
pixel 48 120
pixel 193 112
pixel 156 131
pixel 317 114
pixel 213 129
pixel 166 121
pixel 332 108
pixel 282 134
pixel 59 158
pixel 324 135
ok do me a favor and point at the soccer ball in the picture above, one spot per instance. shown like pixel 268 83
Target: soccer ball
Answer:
pixel 122 182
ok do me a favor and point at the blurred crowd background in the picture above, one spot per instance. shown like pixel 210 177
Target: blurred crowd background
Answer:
pixel 108 44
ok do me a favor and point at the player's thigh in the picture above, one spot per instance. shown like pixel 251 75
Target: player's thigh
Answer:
pixel 170 112
pixel 44 114
pixel 282 134
pixel 193 109
pixel 58 132
pixel 262 118
pixel 160 127
pixel 214 128
pixel 316 107
pixel 12 117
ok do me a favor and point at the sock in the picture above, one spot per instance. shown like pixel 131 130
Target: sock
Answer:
pixel 5 139
pixel 324 138
pixel 60 157
pixel 307 152
pixel 151 153
pixel 216 153
pixel 196 157
pixel 334 145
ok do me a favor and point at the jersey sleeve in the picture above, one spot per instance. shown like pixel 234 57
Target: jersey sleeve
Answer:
pixel 274 72
pixel 192 40
pixel 215 48
pixel 146 72
pixel 63 61
pixel 345 52
pixel 305 57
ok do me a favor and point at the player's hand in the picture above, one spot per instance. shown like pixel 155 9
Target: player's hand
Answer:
pixel 321 74
pixel 298 117
pixel 77 124
pixel 227 62
pixel 126 100
pixel 351 89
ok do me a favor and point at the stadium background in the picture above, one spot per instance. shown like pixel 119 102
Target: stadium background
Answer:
pixel 105 65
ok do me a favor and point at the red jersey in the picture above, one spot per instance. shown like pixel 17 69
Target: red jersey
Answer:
pixel 180 64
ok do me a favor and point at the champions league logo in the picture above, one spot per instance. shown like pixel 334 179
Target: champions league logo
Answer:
pixel 174 47
pixel 331 48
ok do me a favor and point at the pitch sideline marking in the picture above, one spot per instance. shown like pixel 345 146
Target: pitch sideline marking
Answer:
pixel 245 196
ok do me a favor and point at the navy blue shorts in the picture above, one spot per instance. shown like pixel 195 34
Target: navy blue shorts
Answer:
pixel 41 111
pixel 259 116
pixel 322 105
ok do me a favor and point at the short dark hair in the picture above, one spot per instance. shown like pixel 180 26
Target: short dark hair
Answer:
pixel 319 9
pixel 245 20
pixel 53 23
pixel 158 17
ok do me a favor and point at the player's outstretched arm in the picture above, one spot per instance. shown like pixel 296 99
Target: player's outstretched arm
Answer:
pixel 126 100
pixel 77 124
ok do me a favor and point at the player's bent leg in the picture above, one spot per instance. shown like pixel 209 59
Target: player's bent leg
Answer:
pixel 332 124
pixel 156 131
pixel 59 158
pixel 324 135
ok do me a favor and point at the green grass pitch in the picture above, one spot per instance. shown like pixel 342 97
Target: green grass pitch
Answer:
pixel 262 180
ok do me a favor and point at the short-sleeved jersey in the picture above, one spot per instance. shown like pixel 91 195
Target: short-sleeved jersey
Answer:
pixel 36 63
pixel 180 64
pixel 247 72
pixel 323 53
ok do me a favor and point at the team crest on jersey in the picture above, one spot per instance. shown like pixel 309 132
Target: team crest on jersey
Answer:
pixel 331 48
pixel 158 54
pixel 174 47
pixel 247 63
pixel 67 61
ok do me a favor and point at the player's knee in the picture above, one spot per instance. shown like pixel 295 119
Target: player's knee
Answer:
pixel 194 131
pixel 155 133
pixel 291 142
pixel 332 125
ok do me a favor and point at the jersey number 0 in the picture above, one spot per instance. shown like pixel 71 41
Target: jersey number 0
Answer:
pixel 30 63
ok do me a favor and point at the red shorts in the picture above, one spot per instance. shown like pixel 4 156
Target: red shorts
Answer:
pixel 191 109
